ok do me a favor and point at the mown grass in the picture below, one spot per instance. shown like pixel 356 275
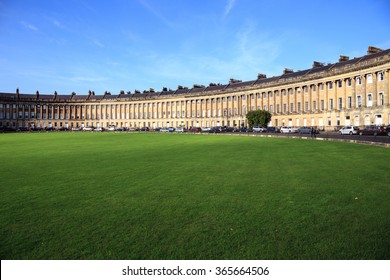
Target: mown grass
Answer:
pixel 168 196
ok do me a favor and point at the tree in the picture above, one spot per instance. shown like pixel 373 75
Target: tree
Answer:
pixel 258 118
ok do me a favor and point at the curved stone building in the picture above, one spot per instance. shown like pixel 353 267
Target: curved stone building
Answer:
pixel 349 92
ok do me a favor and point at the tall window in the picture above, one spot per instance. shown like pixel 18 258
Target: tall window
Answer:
pixel 369 79
pixel 369 100
pixel 359 101
pixel 381 100
pixel 340 103
pixel 380 76
pixel 349 102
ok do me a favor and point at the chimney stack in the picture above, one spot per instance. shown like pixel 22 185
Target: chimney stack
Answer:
pixel 317 64
pixel 343 58
pixel 372 50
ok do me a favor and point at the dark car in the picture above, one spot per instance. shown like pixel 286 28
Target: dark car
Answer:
pixel 307 130
pixel 388 130
pixel 216 129
pixel 272 129
pixel 195 129
pixel 144 129
pixel 373 130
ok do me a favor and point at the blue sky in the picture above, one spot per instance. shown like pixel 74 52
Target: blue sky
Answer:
pixel 80 45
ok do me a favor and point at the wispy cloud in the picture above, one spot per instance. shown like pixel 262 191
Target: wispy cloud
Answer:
pixel 29 26
pixel 96 42
pixel 87 79
pixel 156 13
pixel 228 7
pixel 251 52
pixel 57 23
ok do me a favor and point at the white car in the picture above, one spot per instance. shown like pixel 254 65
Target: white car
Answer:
pixel 164 129
pixel 288 129
pixel 87 128
pixel 98 129
pixel 349 129
pixel 206 129
pixel 259 129
pixel 180 129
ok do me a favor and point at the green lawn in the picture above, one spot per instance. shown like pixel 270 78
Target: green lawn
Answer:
pixel 170 196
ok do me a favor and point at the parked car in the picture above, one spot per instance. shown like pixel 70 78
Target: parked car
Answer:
pixel 171 129
pixel 98 129
pixel 181 129
pixel 216 129
pixel 76 128
pixel 195 129
pixel 88 128
pixel 229 129
pixel 144 128
pixel 388 130
pixel 164 129
pixel 272 129
pixel 111 128
pixel 349 129
pixel 259 129
pixel 288 129
pixel 205 129
pixel 373 130
pixel 304 130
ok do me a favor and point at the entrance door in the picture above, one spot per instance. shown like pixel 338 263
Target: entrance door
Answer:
pixel 378 120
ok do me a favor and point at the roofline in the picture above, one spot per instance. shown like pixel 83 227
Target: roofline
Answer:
pixel 286 78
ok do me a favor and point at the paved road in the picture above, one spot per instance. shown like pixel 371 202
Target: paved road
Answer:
pixel 332 135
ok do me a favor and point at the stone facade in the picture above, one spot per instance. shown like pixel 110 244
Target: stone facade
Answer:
pixel 348 92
